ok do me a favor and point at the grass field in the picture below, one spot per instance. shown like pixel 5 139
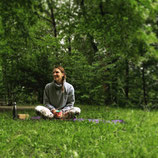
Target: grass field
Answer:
pixel 137 137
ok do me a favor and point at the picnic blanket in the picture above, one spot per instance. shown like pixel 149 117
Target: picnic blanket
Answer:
pixel 99 120
pixel 83 119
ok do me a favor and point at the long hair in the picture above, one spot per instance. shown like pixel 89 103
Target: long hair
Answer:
pixel 64 73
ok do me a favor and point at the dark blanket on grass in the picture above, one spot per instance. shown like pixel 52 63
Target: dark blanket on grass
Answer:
pixel 82 119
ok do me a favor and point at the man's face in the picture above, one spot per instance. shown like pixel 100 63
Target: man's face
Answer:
pixel 57 75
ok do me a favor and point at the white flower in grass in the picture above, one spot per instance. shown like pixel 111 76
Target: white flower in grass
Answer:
pixel 74 153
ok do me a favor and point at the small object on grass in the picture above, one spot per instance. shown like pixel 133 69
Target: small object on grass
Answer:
pixel 14 110
pixel 23 116
pixel 58 114
pixel 58 111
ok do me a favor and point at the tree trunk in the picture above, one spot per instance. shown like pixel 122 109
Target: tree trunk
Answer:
pixel 53 22
pixel 144 86
pixel 69 47
pixel 127 80
pixel 50 5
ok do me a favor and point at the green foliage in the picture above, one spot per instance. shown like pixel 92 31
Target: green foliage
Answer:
pixel 107 48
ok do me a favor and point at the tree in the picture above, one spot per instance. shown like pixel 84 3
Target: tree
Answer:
pixel 108 48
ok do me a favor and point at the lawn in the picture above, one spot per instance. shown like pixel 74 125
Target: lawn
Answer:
pixel 137 137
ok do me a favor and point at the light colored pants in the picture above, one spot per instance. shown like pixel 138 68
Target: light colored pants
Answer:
pixel 44 111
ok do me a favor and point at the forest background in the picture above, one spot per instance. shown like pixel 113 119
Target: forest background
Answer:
pixel 108 48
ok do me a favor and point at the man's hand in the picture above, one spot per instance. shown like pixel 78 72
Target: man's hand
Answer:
pixel 57 114
pixel 53 111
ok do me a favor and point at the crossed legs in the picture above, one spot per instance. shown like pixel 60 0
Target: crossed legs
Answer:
pixel 72 113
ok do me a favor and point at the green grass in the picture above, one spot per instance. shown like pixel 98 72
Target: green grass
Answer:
pixel 138 137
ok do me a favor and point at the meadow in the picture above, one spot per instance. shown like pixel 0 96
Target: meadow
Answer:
pixel 136 137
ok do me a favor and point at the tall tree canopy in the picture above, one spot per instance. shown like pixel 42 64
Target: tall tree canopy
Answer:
pixel 109 49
